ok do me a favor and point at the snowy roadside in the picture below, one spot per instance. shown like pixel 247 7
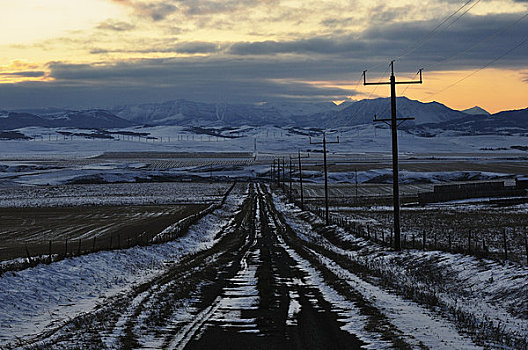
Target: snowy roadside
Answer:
pixel 40 298
pixel 486 296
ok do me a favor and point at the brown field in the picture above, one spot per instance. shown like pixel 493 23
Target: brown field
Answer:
pixel 498 233
pixel 69 230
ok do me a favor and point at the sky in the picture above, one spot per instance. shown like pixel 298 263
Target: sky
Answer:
pixel 102 53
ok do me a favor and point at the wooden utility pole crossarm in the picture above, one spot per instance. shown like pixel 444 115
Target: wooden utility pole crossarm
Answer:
pixel 393 123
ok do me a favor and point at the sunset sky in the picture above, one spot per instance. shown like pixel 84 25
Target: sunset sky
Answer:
pixel 100 53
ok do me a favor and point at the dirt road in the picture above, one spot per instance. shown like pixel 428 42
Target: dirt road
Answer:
pixel 260 286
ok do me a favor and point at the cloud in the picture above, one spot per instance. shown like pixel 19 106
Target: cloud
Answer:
pixel 203 79
pixel 156 11
pixel 167 46
pixel 26 74
pixel 322 45
pixel 264 70
pixel 117 26
pixel 471 43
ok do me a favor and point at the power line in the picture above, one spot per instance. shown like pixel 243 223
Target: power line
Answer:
pixel 462 14
pixel 424 39
pixel 479 43
pixel 483 67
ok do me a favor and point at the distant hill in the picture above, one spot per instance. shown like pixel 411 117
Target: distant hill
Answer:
pixel 363 112
pixel 183 112
pixel 89 119
pixel 507 122
pixel 430 118
pixel 95 118
pixel 476 111
pixel 16 120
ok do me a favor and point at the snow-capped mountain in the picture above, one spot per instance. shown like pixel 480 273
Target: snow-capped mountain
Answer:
pixel 507 122
pixel 476 111
pixel 183 112
pixel 430 118
pixel 363 112
pixel 16 120
pixel 95 118
pixel 89 119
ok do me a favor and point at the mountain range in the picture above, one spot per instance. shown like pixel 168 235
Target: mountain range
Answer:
pixel 429 117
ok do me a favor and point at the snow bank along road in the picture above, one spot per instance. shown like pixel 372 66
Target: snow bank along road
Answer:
pixel 242 278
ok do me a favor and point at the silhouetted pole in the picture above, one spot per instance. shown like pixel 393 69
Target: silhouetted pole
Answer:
pixel 290 177
pixel 394 128
pixel 325 172
pixel 301 179
pixel 278 172
pixel 283 173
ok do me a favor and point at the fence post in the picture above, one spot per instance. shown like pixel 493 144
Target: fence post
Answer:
pixel 118 241
pixel 469 242
pixel 93 245
pixel 111 239
pixel 27 254
pixel 49 251
pixel 526 246
pixel 505 243
pixel 66 248
pixel 79 248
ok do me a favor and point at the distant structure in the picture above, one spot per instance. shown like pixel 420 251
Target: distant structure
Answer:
pixel 451 192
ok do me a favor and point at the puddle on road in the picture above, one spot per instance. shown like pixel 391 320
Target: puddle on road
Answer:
pixel 239 298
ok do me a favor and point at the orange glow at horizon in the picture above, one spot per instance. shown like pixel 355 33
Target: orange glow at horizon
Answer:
pixel 495 90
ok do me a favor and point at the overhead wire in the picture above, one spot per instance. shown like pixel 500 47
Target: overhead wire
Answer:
pixel 479 43
pixel 426 37
pixel 482 67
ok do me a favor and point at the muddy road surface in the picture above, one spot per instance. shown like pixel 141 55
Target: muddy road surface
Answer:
pixel 261 285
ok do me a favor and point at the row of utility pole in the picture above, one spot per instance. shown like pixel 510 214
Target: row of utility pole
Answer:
pixel 393 122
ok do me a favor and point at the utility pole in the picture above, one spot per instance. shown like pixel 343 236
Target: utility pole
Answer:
pixel 325 171
pixel 278 172
pixel 283 174
pixel 298 156
pixel 393 123
pixel 290 177
pixel 355 171
pixel 300 178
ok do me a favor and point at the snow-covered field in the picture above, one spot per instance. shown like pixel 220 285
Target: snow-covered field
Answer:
pixel 47 295
pixel 485 297
pixel 360 139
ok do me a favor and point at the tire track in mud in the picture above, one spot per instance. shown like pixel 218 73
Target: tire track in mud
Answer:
pixel 400 320
pixel 374 326
pixel 281 309
pixel 161 317
pixel 146 315
pixel 258 287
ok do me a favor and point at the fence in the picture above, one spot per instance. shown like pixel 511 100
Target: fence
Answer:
pixel 510 243
pixel 56 250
